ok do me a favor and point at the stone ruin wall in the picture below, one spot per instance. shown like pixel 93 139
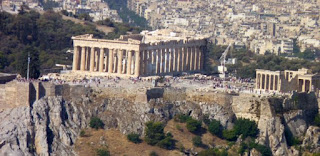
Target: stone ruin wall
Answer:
pixel 15 94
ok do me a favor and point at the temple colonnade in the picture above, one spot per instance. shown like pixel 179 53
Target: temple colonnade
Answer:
pixel 268 80
pixel 135 58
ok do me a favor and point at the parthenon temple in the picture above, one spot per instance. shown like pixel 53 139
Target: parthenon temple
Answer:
pixel 145 54
pixel 286 81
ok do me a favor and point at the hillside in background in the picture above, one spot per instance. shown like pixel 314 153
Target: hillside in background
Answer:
pixel 50 36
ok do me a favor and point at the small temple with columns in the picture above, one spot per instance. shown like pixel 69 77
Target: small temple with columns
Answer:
pixel 287 80
pixel 153 53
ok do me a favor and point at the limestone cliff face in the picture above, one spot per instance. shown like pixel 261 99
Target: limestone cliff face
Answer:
pixel 278 117
pixel 51 125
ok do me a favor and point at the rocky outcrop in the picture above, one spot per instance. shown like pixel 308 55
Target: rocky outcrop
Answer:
pixel 296 122
pixel 51 125
pixel 312 139
pixel 276 117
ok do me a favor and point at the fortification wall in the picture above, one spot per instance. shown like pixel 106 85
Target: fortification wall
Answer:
pixel 15 94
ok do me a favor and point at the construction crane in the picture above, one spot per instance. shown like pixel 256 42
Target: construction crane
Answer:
pixel 223 63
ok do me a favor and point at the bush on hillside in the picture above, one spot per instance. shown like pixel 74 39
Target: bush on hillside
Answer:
pixel 167 143
pixel 213 152
pixel 96 123
pixel 193 125
pixel 196 141
pixel 264 150
pixel 133 137
pixel 246 128
pixel 182 118
pixel 229 135
pixel 154 132
pixel 103 152
pixel 215 128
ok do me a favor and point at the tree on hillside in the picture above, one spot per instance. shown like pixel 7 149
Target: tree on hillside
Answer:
pixel 154 132
pixel 34 68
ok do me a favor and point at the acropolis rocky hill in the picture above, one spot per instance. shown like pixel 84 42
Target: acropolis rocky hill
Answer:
pixel 49 123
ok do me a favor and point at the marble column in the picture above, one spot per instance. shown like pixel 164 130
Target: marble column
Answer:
pixel 145 62
pixel 179 60
pixel 166 60
pixel 129 62
pixel 106 60
pixel 137 63
pixel 87 64
pixel 162 51
pixel 274 82
pixel 199 59
pixel 269 81
pixel 171 58
pixel 101 58
pixel 115 61
pixel 175 56
pixel 189 53
pixel 110 60
pixel 183 59
pixel 191 58
pixel 92 59
pixel 196 58
pixel 158 52
pixel 83 59
pixel 75 65
pixel 150 64
pixel 120 56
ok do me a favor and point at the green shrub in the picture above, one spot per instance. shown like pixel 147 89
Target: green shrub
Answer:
pixel 193 125
pixel 229 135
pixel 96 123
pixel 82 133
pixel 264 150
pixel 197 141
pixel 154 132
pixel 182 118
pixel 243 147
pixel 246 128
pixel 317 120
pixel 103 152
pixel 215 128
pixel 153 153
pixel 213 152
pixel 133 137
pixel 167 143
